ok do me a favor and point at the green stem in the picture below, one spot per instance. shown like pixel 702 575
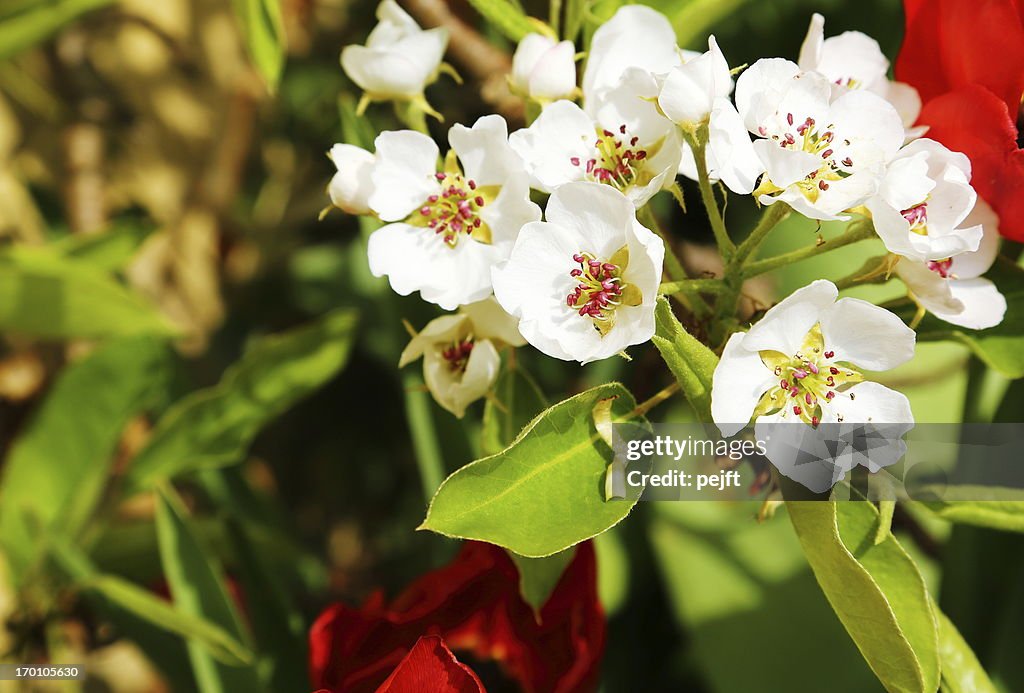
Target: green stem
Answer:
pixel 711 286
pixel 772 217
pixel 424 438
pixel 699 145
pixel 555 16
pixel 856 232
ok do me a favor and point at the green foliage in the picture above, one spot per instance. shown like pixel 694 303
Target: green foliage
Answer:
pixel 996 513
pixel 507 18
pixel 692 363
pixel 26 23
pixel 215 426
pixel 875 589
pixel 49 295
pixel 264 37
pixel 57 470
pixel 693 20
pixel 198 587
pixel 961 671
pixel 545 492
pixel 538 577
pixel 515 401
pixel 109 251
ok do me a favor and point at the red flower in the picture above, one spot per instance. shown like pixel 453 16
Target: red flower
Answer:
pixel 966 58
pixel 474 605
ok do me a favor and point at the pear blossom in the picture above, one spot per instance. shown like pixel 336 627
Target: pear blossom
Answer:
pixel 584 283
pixel 544 69
pixel 450 224
pixel 923 202
pixel 822 156
pixel 689 90
pixel 399 59
pixel 619 139
pixel 350 187
pixel 803 362
pixel 952 289
pixel 730 155
pixel 460 353
pixel 853 60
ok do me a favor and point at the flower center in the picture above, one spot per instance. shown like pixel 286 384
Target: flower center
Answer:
pixel 600 289
pixel 454 212
pixel 917 217
pixel 942 267
pixel 457 354
pixel 616 160
pixel 808 380
pixel 805 135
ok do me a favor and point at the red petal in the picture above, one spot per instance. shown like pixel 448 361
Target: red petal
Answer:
pixel 953 43
pixel 974 121
pixel 475 606
pixel 431 667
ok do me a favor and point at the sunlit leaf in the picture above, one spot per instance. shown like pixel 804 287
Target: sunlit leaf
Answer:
pixel 515 401
pixel 506 17
pixel 692 363
pixel 264 36
pixel 539 576
pixel 28 23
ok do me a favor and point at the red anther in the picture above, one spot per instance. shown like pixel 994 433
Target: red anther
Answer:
pixel 847 161
pixel 479 201
pixel 472 184
pixel 829 395
pixel 833 370
pixel 633 141
pixel 439 176
pixel 622 128
pixel 575 161
pixel 807 398
pixel 789 118
pixel 797 410
pixel 827 153
pixel 829 354
pixel 432 199
pixel 425 211
pixel 608 133
pixel 815 421
pixel 784 384
pixel 823 185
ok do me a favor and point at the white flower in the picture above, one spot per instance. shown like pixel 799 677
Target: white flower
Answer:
pixel 351 186
pixel 802 362
pixel 923 202
pixel 544 69
pixel 453 224
pixel 584 283
pixel 460 354
pixel 821 157
pixel 635 37
pixel 952 289
pixel 619 140
pixel 688 91
pixel 729 155
pixel 399 59
pixel 853 60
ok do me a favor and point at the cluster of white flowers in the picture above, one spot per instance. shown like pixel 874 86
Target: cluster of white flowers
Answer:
pixel 829 136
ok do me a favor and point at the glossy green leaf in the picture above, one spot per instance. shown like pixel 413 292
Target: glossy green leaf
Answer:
pixel 539 576
pixel 997 513
pixel 506 18
pixel 545 492
pixel 692 363
pixel 44 294
pixel 876 591
pixel 57 468
pixel 215 426
pixel 264 36
pixel 516 400
pixel 198 589
pixel 27 24
pixel 961 671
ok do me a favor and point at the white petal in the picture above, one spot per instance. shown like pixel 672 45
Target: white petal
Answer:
pixel 635 36
pixel 689 90
pixel 597 213
pixel 870 403
pixel 906 101
pixel 810 49
pixel 510 211
pixel 983 305
pixel 739 381
pixel 403 176
pixel 785 166
pixel 630 103
pixel 528 54
pixel 456 391
pixel 491 321
pixel 351 186
pixel 444 329
pixel 785 325
pixel 547 147
pixel 731 155
pixel 394 23
pixel 554 76
pixel 867 336
pixel 382 72
pixel 425 49
pixel 536 280
pixel 760 89
pixel 870 123
pixel 484 152
pixel 975 263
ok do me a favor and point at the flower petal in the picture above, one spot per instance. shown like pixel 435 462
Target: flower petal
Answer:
pixel 431 666
pixel 739 381
pixel 352 185
pixel 561 132
pixel 867 336
pixel 635 36
pixel 785 325
pixel 403 176
pixel 870 402
pixel 484 152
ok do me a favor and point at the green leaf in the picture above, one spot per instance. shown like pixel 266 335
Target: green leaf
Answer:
pixel 692 363
pixel 876 591
pixel 215 426
pixel 198 588
pixel 109 251
pixel 961 671
pixel 56 470
pixel 264 37
pixel 694 19
pixel 538 577
pixel 545 492
pixel 516 400
pixel 29 23
pixel 43 294
pixel 996 513
pixel 507 18
pixel 1000 347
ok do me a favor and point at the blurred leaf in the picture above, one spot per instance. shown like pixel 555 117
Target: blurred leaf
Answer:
pixel 961 671
pixel 875 589
pixel 215 426
pixel 545 492
pixel 56 470
pixel 43 294
pixel 515 401
pixel 539 576
pixel 264 37
pixel 507 18
pixel 1004 514
pixel 693 20
pixel 199 590
pixel 613 570
pixel 1000 347
pixel 109 251
pixel 692 363
pixel 24 24
pixel 575 14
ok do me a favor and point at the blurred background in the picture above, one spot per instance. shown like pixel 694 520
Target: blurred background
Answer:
pixel 152 177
